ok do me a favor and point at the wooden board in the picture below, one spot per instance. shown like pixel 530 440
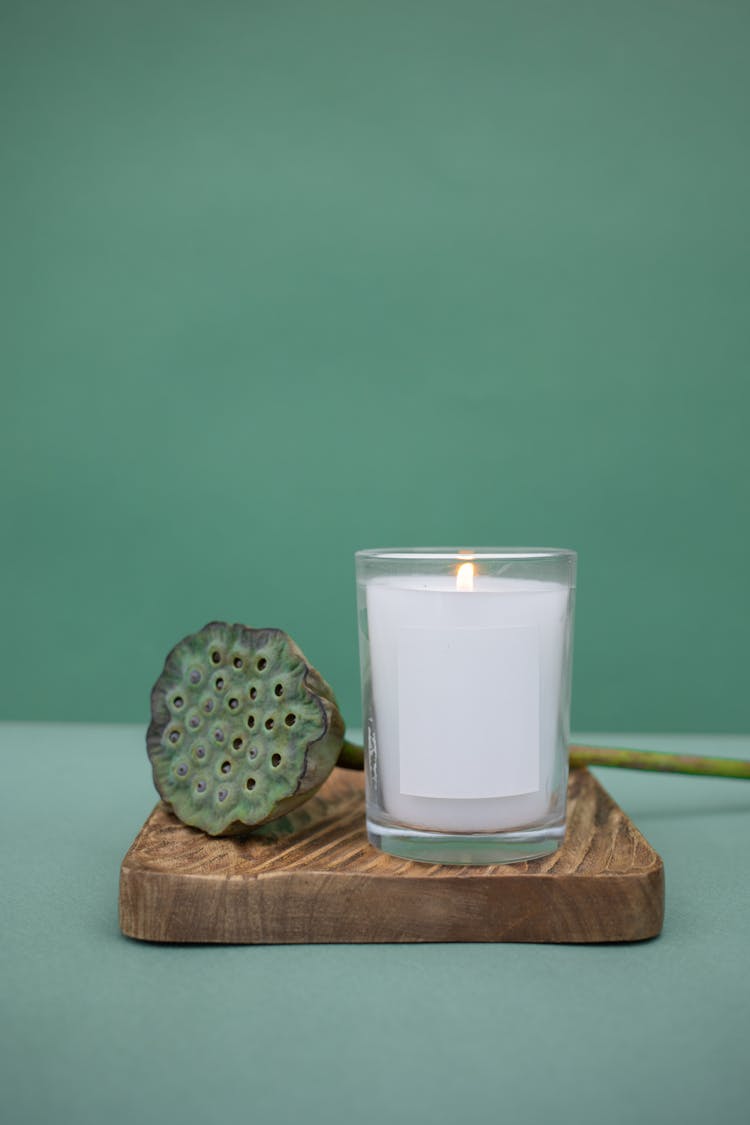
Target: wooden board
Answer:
pixel 313 877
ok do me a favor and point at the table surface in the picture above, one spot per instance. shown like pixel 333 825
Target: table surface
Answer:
pixel 97 1028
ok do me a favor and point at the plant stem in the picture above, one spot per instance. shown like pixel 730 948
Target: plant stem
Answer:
pixel 662 763
pixel 352 758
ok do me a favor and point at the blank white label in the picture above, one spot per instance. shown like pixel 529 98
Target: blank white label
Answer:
pixel 468 712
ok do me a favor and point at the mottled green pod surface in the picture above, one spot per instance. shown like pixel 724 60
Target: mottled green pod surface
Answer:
pixel 242 730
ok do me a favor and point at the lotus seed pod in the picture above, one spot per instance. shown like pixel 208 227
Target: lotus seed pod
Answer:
pixel 243 729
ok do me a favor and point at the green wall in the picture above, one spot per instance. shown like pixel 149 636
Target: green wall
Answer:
pixel 281 280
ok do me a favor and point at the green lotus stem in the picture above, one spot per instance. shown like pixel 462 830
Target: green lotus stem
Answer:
pixel 661 763
pixel 352 758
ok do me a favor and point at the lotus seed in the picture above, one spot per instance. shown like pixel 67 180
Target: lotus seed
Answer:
pixel 237 743
pixel 234 704
pixel 237 662
pixel 276 760
pixel 226 767
pixel 178 701
pixel 194 721
pixel 290 720
pixel 250 783
pixel 253 693
pixel 253 753
pixel 195 676
pixel 182 769
pixel 219 683
pixel 262 663
pixel 208 705
pixel 222 794
pixel 269 724
pixel 173 736
pixel 201 786
pixel 251 720
pixel 216 657
pixel 279 689
pixel 200 752
pixel 219 734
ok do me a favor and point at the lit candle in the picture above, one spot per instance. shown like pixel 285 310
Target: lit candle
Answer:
pixel 466 697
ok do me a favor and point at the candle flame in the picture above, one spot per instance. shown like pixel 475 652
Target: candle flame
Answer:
pixel 465 576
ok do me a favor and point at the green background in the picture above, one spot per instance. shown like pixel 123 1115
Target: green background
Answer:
pixel 100 1030
pixel 281 280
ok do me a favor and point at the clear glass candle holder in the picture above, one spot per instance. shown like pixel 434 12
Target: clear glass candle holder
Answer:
pixel 466 672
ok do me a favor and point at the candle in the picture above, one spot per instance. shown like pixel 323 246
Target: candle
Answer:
pixel 465 687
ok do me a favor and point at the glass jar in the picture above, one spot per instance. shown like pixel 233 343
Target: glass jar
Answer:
pixel 465 657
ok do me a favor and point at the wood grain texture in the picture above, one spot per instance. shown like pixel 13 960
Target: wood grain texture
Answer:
pixel 313 877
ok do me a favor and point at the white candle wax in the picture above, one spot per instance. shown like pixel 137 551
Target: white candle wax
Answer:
pixel 466 689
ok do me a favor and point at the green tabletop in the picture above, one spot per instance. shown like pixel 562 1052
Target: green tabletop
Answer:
pixel 97 1028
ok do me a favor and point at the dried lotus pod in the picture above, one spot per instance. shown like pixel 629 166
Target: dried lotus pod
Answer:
pixel 243 728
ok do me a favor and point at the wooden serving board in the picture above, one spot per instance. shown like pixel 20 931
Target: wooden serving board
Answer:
pixel 313 877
